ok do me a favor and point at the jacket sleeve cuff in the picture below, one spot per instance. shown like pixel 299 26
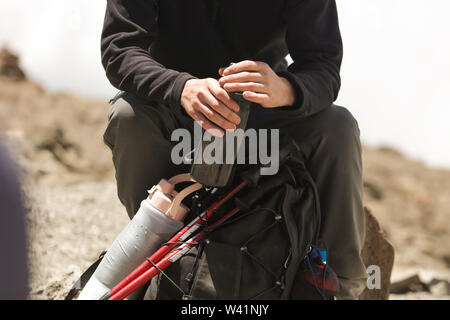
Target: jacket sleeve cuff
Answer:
pixel 177 90
pixel 299 90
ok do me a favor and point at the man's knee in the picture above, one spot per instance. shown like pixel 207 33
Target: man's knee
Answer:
pixel 343 122
pixel 126 112
pixel 120 113
pixel 132 120
pixel 333 131
pixel 340 129
pixel 120 110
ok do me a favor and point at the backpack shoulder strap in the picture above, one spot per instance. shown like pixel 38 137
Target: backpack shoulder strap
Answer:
pixel 84 278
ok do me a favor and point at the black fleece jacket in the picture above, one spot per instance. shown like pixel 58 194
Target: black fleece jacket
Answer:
pixel 151 48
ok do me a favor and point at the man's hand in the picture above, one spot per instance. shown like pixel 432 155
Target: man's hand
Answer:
pixel 210 105
pixel 259 84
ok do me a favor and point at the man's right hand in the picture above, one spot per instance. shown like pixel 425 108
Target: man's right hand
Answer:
pixel 210 105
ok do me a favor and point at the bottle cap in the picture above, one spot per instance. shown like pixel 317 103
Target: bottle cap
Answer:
pixel 162 195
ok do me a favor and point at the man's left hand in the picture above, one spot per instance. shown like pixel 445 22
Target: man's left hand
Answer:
pixel 259 84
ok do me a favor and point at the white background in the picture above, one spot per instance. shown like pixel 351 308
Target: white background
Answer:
pixel 395 73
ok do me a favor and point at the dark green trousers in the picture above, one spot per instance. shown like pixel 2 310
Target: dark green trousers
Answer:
pixel 139 132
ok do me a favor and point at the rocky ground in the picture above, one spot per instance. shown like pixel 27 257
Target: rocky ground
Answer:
pixel 74 214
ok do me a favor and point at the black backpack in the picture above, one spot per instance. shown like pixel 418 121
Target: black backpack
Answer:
pixel 267 251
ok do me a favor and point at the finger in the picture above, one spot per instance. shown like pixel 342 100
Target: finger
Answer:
pixel 246 86
pixel 261 98
pixel 221 71
pixel 215 117
pixel 225 98
pixel 246 65
pixel 207 125
pixel 227 114
pixel 242 77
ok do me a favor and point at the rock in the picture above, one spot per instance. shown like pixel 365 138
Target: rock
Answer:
pixel 410 284
pixel 55 141
pixel 9 66
pixel 373 190
pixel 446 259
pixel 377 251
pixel 439 288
